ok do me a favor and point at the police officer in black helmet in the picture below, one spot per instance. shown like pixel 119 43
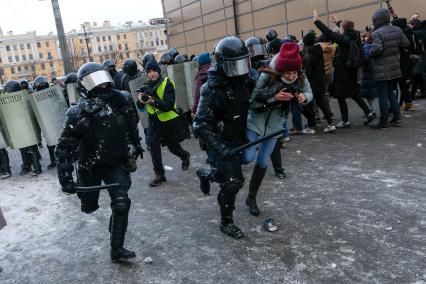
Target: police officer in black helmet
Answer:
pixel 131 72
pixel 101 134
pixel 166 59
pixel 220 123
pixel 146 58
pixel 70 78
pixel 116 75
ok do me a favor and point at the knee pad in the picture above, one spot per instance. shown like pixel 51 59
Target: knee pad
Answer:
pixel 121 205
pixel 231 187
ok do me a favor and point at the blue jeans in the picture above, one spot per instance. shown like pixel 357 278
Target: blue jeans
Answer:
pixel 265 150
pixel 285 126
pixel 386 98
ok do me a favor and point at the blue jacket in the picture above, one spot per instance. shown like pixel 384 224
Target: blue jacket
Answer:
pixel 368 85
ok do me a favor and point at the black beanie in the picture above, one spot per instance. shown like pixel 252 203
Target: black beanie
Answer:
pixel 152 65
pixel 309 39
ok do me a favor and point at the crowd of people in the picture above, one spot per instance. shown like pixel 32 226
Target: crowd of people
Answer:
pixel 242 100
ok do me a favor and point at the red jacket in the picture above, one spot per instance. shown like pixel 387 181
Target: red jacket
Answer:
pixel 200 79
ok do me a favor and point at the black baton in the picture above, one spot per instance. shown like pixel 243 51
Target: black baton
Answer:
pixel 95 188
pixel 257 141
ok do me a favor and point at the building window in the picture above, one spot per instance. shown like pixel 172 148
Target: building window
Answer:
pixel 105 48
pixel 152 43
pixel 15 47
pixel 38 44
pixel 110 47
pixel 124 36
pixel 162 42
pixel 109 38
pixel 90 50
pixel 103 38
pixel 17 58
pixel 10 59
pixel 98 39
pixel 51 64
pixel 126 47
pixel 8 47
pixel 82 50
pixel 19 69
pixel 40 55
pixel 150 33
pixel 28 46
pixel 22 46
pixel 157 41
pixel 81 41
pixel 12 70
pixel 49 55
pixel 47 44
pixel 30 57
pixel 26 67
pixel 118 37
pixel 24 57
pixel 99 49
pixel 101 58
pixel 33 67
pixel 43 66
pixel 119 46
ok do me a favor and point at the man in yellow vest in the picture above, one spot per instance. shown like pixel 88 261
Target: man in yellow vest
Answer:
pixel 165 126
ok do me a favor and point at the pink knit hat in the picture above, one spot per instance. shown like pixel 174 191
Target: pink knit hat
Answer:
pixel 288 59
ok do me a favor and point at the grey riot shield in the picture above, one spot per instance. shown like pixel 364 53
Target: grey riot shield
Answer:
pixel 181 88
pixel 73 95
pixel 3 141
pixel 49 108
pixel 134 86
pixel 190 73
pixel 18 120
pixel 164 70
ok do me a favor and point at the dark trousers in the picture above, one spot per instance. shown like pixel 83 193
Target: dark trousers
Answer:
pixel 309 113
pixel 406 96
pixel 276 156
pixel 344 106
pixel 157 161
pixel 417 83
pixel 322 101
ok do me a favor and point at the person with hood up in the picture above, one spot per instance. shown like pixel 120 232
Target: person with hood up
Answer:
pixel 387 41
pixel 345 80
pixel 204 61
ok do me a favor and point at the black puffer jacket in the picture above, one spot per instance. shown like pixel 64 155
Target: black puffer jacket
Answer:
pixel 387 41
pixel 345 80
pixel 313 65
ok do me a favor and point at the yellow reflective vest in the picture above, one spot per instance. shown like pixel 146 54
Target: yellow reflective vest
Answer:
pixel 163 116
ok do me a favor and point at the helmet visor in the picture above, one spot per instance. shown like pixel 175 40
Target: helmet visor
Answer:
pixel 95 79
pixel 257 49
pixel 236 67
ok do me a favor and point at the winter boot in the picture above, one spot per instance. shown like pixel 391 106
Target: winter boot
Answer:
pixel 120 215
pixel 34 154
pixel 158 179
pixel 204 176
pixel 52 157
pixel 4 162
pixel 277 162
pixel 26 162
pixel 255 182
pixel 227 225
pixel 186 162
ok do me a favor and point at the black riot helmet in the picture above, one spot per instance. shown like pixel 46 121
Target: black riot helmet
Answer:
pixel 232 55
pixel 92 74
pixel 24 84
pixel 41 83
pixel 256 47
pixel 166 58
pixel 12 86
pixel 273 47
pixel 146 58
pixel 180 59
pixel 108 64
pixel 173 52
pixel 271 35
pixel 71 78
pixel 130 67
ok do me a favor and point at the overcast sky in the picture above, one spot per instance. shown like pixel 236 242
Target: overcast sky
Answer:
pixel 21 16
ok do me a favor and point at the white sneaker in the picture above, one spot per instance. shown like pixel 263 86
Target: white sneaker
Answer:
pixel 343 125
pixel 286 139
pixel 329 128
pixel 308 131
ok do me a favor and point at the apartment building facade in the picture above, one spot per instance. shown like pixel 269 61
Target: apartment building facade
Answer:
pixel 30 55
pixel 196 25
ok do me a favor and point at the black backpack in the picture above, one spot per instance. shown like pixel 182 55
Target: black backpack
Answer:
pixel 355 58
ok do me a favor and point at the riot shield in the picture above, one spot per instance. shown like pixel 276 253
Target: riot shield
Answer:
pixel 164 70
pixel 190 73
pixel 18 120
pixel 3 140
pixel 134 86
pixel 73 95
pixel 181 88
pixel 49 108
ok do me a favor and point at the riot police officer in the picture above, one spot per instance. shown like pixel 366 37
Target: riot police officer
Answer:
pixel 173 52
pixel 257 49
pixel 180 59
pixel 70 78
pixel 166 59
pixel 116 75
pixel 42 83
pixel 131 72
pixel 25 85
pixel 220 123
pixel 30 155
pixel 101 134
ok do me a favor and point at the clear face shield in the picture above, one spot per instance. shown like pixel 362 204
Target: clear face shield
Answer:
pixel 238 67
pixel 95 79
pixel 257 49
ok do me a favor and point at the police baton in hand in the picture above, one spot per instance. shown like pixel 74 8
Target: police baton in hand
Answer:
pixel 258 141
pixel 85 189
